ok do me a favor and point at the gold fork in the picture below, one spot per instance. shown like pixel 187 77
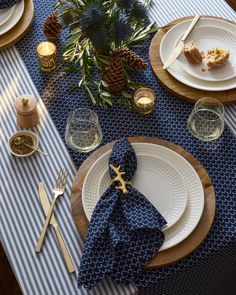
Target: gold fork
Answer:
pixel 58 191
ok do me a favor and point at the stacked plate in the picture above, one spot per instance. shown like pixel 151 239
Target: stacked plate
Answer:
pixel 169 182
pixel 208 33
pixel 9 17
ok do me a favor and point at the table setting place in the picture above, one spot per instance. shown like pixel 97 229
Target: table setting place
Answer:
pixel 118 143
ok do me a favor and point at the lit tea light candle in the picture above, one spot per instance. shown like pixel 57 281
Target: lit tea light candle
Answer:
pixel 144 101
pixel 46 56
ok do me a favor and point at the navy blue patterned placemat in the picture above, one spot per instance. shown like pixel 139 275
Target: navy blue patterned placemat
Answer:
pixel 167 122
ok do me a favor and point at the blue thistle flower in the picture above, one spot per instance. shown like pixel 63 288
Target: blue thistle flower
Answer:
pixel 125 4
pixel 122 31
pixel 100 39
pixel 92 16
pixel 139 11
pixel 67 18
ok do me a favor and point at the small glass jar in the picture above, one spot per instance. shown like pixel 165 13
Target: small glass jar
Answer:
pixel 144 101
pixel 46 56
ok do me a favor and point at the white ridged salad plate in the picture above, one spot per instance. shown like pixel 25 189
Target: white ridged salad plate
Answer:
pixel 14 18
pixel 207 38
pixel 169 182
pixel 5 14
pixel 168 44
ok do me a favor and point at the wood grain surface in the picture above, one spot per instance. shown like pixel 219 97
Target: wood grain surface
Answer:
pixel 174 86
pixel 20 29
pixel 8 282
pixel 170 255
pixel 232 3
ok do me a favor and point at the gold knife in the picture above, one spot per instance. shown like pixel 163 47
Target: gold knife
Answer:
pixel 180 45
pixel 46 206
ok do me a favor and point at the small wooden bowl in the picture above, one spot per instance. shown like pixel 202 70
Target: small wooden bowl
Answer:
pixel 33 135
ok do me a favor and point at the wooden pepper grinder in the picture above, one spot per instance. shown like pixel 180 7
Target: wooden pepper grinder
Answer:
pixel 26 109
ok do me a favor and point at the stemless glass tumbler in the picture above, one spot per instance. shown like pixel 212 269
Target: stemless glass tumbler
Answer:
pixel 83 131
pixel 206 121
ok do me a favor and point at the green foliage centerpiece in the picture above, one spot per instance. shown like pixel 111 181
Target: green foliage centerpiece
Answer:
pixel 101 33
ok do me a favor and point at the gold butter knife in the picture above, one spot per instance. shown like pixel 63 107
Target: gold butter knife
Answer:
pixel 46 206
pixel 180 45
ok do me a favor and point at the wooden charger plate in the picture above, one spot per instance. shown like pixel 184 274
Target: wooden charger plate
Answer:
pixel 174 86
pixel 177 252
pixel 21 28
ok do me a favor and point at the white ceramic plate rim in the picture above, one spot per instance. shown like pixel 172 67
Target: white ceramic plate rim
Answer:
pixel 15 17
pixel 209 78
pixel 10 11
pixel 172 214
pixel 176 70
pixel 184 227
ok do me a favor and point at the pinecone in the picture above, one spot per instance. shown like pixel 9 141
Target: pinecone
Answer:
pixel 131 58
pixel 52 27
pixel 116 77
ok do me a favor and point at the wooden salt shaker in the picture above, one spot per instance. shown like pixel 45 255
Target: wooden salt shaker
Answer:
pixel 26 109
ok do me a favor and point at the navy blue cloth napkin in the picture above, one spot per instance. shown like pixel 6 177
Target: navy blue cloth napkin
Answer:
pixel 8 3
pixel 125 229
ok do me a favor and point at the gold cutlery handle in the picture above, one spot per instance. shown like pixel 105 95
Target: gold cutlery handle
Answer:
pixel 44 230
pixel 64 250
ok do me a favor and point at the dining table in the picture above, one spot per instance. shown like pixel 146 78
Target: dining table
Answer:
pixel 209 269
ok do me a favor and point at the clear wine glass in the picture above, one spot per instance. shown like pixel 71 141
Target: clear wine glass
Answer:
pixel 206 121
pixel 83 131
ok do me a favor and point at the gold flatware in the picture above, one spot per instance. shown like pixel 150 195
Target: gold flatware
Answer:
pixel 46 206
pixel 180 45
pixel 19 140
pixel 58 191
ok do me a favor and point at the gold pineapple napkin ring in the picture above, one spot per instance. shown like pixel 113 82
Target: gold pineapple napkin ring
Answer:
pixel 119 178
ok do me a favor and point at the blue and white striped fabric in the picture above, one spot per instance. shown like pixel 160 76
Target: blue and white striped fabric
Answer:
pixel 21 213
pixel 22 216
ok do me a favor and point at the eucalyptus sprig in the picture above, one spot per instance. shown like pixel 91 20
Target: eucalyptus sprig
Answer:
pixel 97 28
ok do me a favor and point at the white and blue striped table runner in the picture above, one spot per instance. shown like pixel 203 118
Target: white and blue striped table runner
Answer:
pixel 21 213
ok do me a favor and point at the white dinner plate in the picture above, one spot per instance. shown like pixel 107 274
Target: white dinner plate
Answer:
pixel 210 38
pixel 13 20
pixel 168 44
pixel 195 195
pixel 5 14
pixel 155 178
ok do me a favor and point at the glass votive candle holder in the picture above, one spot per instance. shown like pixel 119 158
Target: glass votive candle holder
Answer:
pixel 46 52
pixel 144 101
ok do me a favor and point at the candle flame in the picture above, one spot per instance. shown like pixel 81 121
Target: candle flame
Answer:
pixel 144 100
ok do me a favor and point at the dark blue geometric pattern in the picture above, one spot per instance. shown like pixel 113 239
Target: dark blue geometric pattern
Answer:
pixel 167 122
pixel 123 155
pixel 8 3
pixel 124 231
pixel 212 276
